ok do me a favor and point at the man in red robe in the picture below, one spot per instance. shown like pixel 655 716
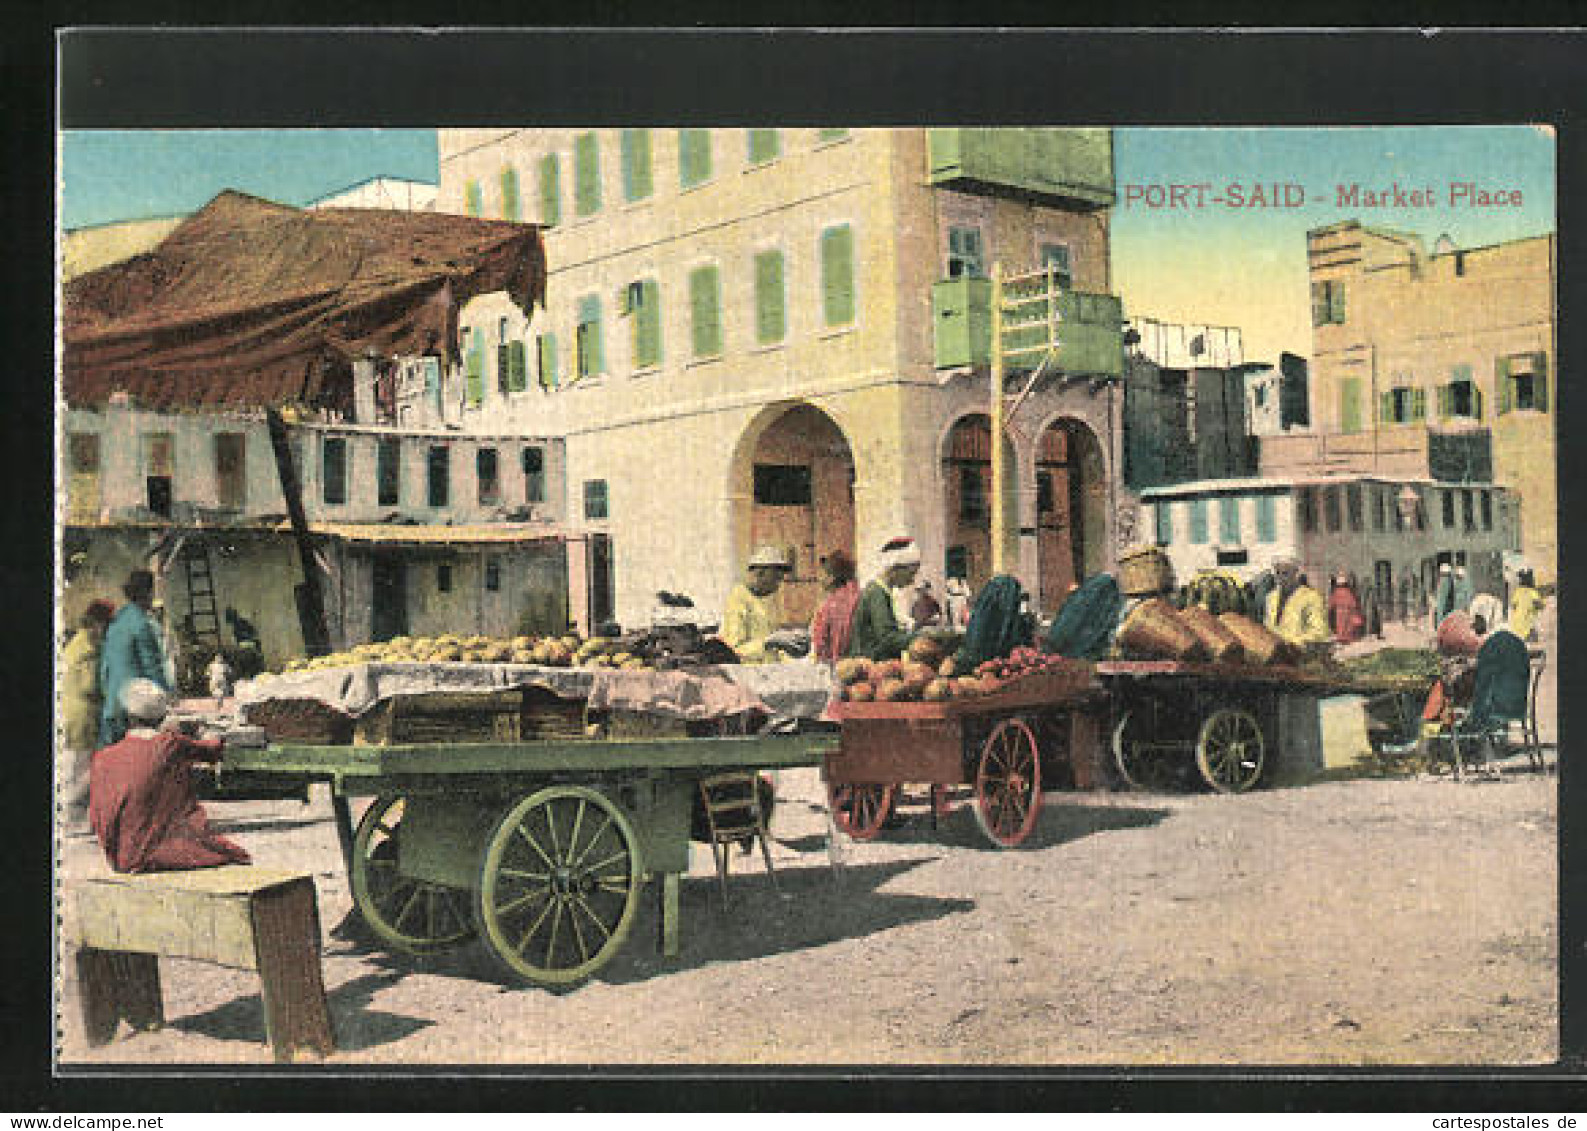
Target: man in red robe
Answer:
pixel 141 801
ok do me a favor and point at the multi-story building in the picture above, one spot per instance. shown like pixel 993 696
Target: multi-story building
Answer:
pixel 397 194
pixel 1438 365
pixel 782 334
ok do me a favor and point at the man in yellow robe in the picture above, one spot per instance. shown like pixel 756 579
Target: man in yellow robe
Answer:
pixel 754 608
pixel 1294 609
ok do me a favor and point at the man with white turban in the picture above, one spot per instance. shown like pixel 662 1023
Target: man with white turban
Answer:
pixel 141 801
pixel 877 633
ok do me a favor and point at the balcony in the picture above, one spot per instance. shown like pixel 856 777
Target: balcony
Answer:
pixel 1090 334
pixel 1071 168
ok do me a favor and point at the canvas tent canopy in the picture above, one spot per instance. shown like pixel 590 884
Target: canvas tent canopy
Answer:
pixel 249 303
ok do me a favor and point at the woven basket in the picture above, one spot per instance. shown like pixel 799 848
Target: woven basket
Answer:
pixel 1155 631
pixel 1144 570
pixel 1261 644
pixel 300 720
pixel 1222 645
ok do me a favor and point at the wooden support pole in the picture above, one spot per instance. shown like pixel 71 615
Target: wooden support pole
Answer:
pixel 999 468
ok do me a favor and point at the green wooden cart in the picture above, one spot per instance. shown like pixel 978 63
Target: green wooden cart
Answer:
pixel 540 848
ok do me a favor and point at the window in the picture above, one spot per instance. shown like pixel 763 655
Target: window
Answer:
pixel 771 320
pixel 1487 510
pixel 1331 513
pixel 1460 399
pixel 1350 404
pixel 705 308
pixel 1164 515
pixel 782 485
pixel 1056 256
pixel 972 495
pixel 1266 519
pixel 589 357
pixel 1328 303
pixel 1402 405
pixel 764 146
pixel 586 174
pixel 1198 521
pixel 473 199
pixel 824 136
pixel 837 275
pixel 510 208
pixel 443 578
pixel 474 368
pixel 1353 508
pixel 1448 498
pixel 644 306
pixel 159 470
pixel 438 475
pixel 1468 510
pixel 493 574
pixel 1522 379
pixel 595 499
pixel 965 257
pixel 550 190
pixel 1379 507
pixel 636 165
pixel 694 157
pixel 1307 497
pixel 956 561
pixel 1229 521
pixel 231 470
pixel 534 475
pixel 514 365
pixel 487 471
pixel 432 382
pixel 333 468
pixel 82 491
pixel 388 472
pixel 546 361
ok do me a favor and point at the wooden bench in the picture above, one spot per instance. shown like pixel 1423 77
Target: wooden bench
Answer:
pixel 243 917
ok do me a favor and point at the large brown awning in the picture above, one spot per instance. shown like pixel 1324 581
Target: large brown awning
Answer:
pixel 251 303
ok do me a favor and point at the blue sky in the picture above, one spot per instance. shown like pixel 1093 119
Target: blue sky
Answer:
pixel 1209 263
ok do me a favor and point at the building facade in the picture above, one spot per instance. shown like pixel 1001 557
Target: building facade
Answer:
pixel 772 335
pixel 1420 362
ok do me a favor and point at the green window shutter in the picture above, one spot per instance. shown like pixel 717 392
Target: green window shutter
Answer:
pixel 694 157
pixel 1476 403
pixel 1198 521
pixel 588 352
pixel 502 364
pixel 1540 381
pixel 1165 522
pixel 764 145
pixel 837 275
pixel 1350 404
pixel 1418 404
pixel 1229 521
pixel 636 165
pixel 1501 379
pixel 586 174
pixel 1319 303
pixel 647 326
pixel 546 360
pixel 550 191
pixel 1446 401
pixel 705 307
pixel 1266 519
pixel 771 323
pixel 473 199
pixel 1336 301
pixel 474 373
pixel 517 368
pixel 831 135
pixel 509 194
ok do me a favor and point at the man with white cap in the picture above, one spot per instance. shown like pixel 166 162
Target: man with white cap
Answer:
pixel 876 633
pixel 753 611
pixel 141 801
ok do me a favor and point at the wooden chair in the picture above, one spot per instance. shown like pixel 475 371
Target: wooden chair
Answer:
pixel 733 816
pixel 1474 745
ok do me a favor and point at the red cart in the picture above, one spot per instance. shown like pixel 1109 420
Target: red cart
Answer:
pixel 1042 731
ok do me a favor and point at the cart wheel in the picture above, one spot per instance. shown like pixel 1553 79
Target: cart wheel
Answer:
pixel 860 810
pixel 1141 765
pixel 1229 750
pixel 559 885
pixel 407 914
pixel 1008 784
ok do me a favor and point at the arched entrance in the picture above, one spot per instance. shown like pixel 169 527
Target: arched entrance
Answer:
pixel 795 480
pixel 967 500
pixel 1071 509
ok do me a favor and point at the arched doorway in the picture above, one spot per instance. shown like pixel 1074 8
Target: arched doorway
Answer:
pixel 1071 509
pixel 967 500
pixel 797 479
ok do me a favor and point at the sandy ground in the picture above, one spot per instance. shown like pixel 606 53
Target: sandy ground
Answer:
pixel 1364 922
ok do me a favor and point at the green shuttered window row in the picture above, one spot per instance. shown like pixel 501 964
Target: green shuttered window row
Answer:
pixel 636 165
pixel 771 320
pixel 586 174
pixel 837 275
pixel 694 157
pixel 550 190
pixel 705 310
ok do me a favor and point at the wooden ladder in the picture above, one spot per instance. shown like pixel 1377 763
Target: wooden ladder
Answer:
pixel 203 617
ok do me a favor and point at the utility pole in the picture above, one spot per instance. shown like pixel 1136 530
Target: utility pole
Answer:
pixel 999 469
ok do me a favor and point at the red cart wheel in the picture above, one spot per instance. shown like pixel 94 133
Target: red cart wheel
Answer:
pixel 1008 784
pixel 860 810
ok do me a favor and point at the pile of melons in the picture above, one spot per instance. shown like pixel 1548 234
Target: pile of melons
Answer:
pixel 925 674
pixel 450 648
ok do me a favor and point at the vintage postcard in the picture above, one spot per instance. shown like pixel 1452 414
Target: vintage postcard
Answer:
pixel 807 594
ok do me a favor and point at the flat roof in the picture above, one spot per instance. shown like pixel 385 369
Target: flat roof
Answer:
pixel 1283 483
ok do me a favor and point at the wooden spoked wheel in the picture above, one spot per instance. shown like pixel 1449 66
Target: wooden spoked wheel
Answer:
pixel 1230 750
pixel 860 810
pixel 1141 762
pixel 407 914
pixel 1008 784
pixel 559 885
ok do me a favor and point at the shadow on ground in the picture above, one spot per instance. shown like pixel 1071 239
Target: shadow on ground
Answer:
pixel 355 1025
pixel 1059 822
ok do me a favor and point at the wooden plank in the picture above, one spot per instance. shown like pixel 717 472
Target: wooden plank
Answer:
pixel 114 985
pixel 670 884
pixel 286 937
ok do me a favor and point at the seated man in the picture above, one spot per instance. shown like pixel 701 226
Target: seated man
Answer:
pixel 1295 610
pixel 876 633
pixel 753 613
pixel 141 802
